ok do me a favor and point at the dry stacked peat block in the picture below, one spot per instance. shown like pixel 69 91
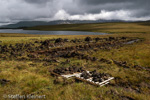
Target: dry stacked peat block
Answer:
pixel 95 76
pixel 70 70
pixel 98 79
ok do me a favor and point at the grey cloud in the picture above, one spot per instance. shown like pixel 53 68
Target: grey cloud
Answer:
pixel 97 2
pixel 37 1
pixel 17 10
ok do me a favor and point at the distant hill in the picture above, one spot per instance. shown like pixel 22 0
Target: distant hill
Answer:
pixel 145 23
pixel 24 24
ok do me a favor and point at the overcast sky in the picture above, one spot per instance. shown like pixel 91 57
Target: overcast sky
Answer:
pixel 46 10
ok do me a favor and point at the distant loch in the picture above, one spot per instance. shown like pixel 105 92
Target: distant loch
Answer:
pixel 50 32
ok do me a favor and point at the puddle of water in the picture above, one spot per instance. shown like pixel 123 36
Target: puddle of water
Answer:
pixel 131 42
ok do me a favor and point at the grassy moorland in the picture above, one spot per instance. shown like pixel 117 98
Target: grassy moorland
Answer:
pixel 27 71
pixel 139 27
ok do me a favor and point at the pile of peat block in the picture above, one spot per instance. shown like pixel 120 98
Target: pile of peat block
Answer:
pixel 70 70
pixel 95 76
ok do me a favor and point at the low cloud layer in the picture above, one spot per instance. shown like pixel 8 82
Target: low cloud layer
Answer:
pixel 12 11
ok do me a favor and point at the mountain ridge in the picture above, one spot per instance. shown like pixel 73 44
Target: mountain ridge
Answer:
pixel 23 24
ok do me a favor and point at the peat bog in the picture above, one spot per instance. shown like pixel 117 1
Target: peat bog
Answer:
pixel 68 55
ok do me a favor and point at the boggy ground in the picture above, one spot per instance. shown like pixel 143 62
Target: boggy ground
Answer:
pixel 25 63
